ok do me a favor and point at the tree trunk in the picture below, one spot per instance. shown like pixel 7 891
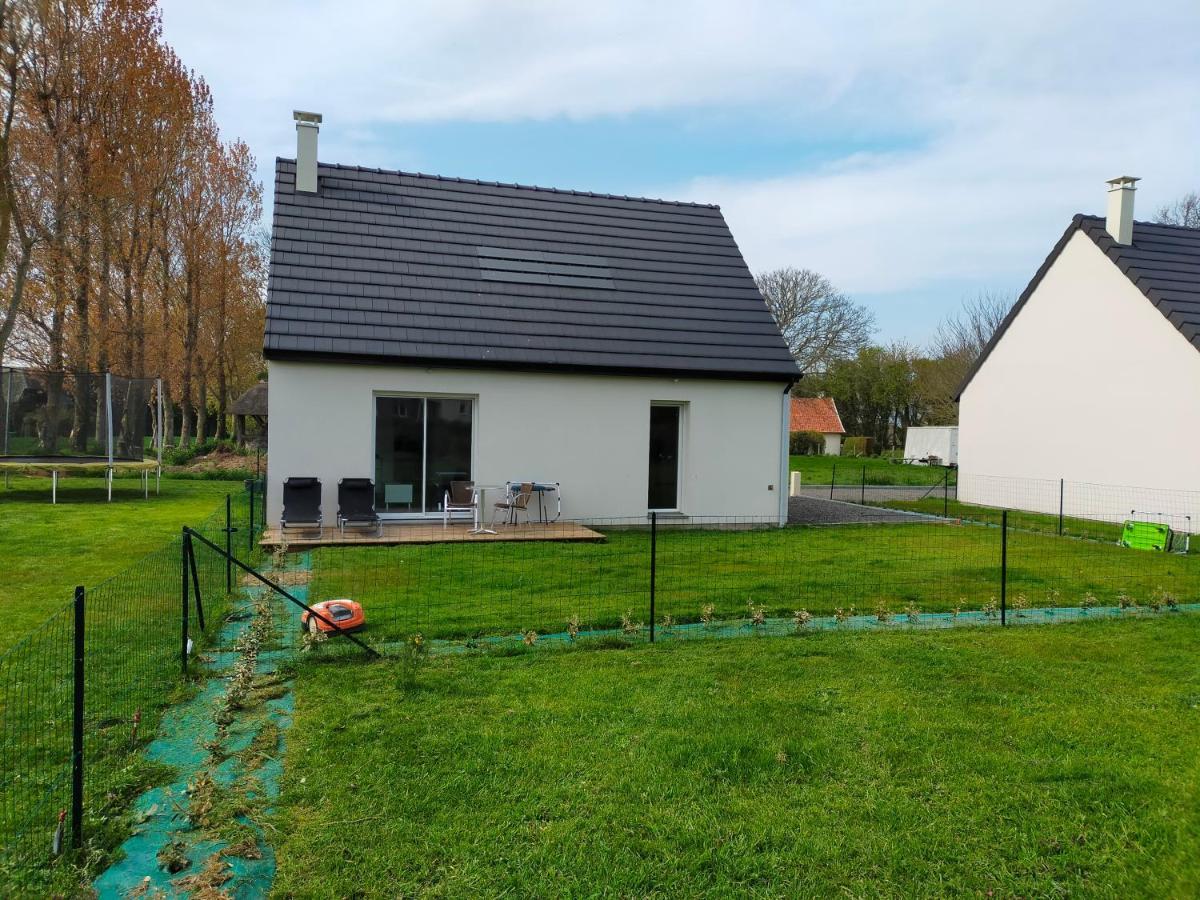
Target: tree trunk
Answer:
pixel 201 406
pixel 222 400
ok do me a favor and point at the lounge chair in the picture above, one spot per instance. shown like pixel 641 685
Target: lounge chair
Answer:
pixel 461 498
pixel 301 504
pixel 356 505
pixel 514 503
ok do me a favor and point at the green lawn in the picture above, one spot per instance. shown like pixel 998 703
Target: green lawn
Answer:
pixel 127 554
pixel 1046 761
pixel 1030 521
pixel 463 590
pixel 48 549
pixel 849 470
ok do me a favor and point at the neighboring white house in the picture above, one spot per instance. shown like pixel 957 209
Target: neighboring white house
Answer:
pixel 424 329
pixel 1094 376
pixel 819 415
pixel 933 444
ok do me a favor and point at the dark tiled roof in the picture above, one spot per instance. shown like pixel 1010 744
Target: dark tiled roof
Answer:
pixel 398 267
pixel 1163 261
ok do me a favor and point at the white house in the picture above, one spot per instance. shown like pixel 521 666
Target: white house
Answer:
pixel 1094 376
pixel 819 415
pixel 423 329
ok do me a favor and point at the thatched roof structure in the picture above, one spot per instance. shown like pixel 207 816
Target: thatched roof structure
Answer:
pixel 253 402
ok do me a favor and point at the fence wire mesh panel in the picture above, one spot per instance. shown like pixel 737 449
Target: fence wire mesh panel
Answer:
pixel 726 575
pixel 853 565
pixel 132 643
pixel 1051 505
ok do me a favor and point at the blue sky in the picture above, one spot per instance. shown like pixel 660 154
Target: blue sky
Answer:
pixel 914 153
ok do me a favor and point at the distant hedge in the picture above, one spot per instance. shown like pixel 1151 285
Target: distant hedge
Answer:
pixel 807 443
pixel 858 445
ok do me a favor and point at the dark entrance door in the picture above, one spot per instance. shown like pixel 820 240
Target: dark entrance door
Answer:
pixel 664 458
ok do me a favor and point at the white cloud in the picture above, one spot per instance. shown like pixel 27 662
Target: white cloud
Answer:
pixel 1013 114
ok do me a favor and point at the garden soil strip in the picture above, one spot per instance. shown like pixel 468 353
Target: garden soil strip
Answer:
pixel 201 833
pixel 728 628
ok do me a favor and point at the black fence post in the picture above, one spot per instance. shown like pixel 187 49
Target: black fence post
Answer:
pixel 191 556
pixel 183 593
pixel 653 567
pixel 1004 567
pixel 1061 485
pixel 863 497
pixel 946 494
pixel 250 530
pixel 77 726
pixel 228 544
pixel 832 480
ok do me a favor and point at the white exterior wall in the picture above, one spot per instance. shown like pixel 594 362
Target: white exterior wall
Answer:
pixel 589 432
pixel 1092 384
pixel 833 444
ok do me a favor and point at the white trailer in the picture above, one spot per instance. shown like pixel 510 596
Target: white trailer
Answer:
pixel 932 445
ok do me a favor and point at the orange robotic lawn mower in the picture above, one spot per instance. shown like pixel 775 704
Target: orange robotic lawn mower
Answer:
pixel 346 614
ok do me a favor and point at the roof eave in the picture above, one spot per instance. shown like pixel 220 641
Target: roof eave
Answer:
pixel 776 377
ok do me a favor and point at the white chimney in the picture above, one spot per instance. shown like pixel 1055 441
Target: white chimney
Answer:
pixel 1120 208
pixel 307 126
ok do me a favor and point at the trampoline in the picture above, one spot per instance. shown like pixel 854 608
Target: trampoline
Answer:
pixel 78 423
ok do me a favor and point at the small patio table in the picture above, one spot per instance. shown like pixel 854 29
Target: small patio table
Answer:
pixel 480 521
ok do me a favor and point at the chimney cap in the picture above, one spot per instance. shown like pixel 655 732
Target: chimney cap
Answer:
pixel 1122 181
pixel 308 118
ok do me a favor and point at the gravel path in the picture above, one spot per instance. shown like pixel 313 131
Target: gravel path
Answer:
pixel 853 492
pixel 816 511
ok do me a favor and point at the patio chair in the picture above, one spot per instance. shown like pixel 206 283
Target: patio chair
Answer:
pixel 515 503
pixel 461 498
pixel 356 505
pixel 301 504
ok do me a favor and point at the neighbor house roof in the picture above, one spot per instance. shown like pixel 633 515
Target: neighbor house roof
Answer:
pixel 816 414
pixel 397 267
pixel 1163 261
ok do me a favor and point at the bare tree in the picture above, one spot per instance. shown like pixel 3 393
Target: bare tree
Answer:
pixel 1185 211
pixel 964 334
pixel 819 322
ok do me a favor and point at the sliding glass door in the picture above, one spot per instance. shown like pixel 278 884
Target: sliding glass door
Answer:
pixel 421 445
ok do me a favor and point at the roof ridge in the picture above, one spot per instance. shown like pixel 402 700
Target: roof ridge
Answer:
pixel 1188 228
pixel 508 184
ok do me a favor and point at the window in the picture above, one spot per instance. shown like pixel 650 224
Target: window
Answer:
pixel 421 445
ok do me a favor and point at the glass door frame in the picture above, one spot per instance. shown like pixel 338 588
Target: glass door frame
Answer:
pixel 423 396
pixel 680 446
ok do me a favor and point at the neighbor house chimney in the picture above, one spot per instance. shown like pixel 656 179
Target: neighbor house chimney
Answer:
pixel 1120 208
pixel 307 126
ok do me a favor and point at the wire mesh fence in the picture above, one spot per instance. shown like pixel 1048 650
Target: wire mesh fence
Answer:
pixel 704 576
pixel 116 648
pixel 1051 505
pixel 888 564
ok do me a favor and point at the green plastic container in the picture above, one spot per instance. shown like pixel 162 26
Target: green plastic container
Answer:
pixel 1145 535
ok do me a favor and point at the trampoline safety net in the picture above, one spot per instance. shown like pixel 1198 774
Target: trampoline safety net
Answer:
pixel 83 415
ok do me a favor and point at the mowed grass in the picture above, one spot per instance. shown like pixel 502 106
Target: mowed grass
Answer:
pixel 46 549
pixel 1045 761
pixel 816 470
pixel 464 590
